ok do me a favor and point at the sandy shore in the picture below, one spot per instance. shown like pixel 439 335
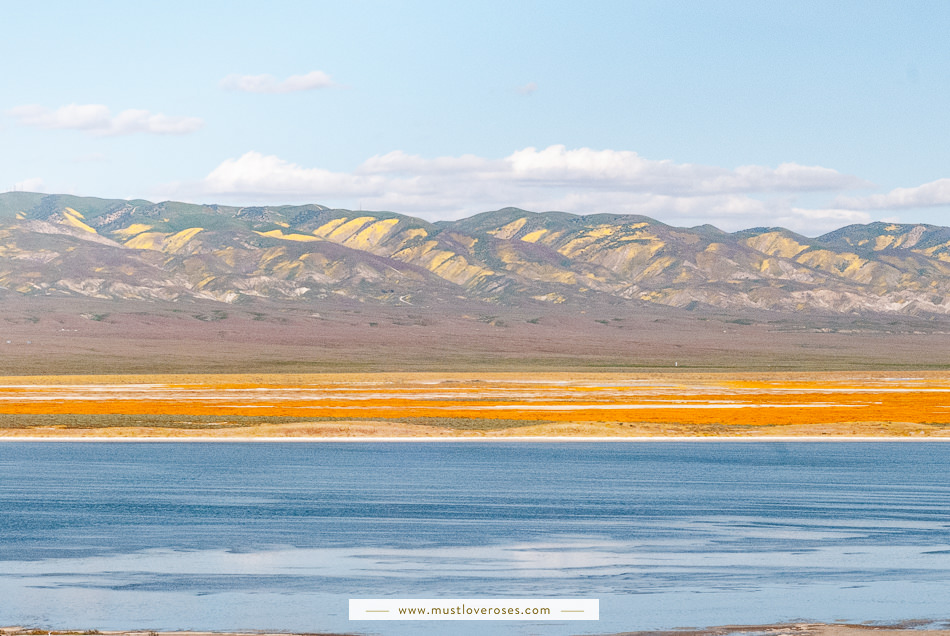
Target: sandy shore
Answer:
pixel 910 628
pixel 808 629
pixel 469 438
pixel 22 631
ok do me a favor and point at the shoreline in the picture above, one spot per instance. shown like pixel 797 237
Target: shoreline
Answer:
pixel 801 628
pixel 798 628
pixel 472 438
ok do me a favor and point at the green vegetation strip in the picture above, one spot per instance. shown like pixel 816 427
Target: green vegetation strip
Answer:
pixel 91 420
pixel 468 423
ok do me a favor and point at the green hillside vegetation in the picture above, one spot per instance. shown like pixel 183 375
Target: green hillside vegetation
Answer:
pixel 73 246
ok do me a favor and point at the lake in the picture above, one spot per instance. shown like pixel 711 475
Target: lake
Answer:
pixel 278 536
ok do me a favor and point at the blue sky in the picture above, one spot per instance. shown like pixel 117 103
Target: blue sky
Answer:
pixel 809 115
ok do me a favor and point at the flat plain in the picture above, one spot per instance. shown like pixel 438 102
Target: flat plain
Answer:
pixel 483 405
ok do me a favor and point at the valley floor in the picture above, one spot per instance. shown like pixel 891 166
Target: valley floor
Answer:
pixel 479 405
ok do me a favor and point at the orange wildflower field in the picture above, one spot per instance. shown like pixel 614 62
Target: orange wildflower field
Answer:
pixel 481 405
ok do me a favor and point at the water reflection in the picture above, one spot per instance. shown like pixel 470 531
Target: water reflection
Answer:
pixel 279 537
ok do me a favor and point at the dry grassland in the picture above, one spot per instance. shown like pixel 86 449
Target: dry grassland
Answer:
pixel 482 405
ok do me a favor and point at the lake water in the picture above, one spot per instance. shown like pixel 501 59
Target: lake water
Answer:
pixel 278 536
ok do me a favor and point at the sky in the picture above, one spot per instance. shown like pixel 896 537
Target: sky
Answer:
pixel 805 115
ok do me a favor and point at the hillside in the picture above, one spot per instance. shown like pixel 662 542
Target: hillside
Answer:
pixel 136 250
pixel 111 286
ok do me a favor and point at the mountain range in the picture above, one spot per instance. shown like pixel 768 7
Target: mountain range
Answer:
pixel 67 246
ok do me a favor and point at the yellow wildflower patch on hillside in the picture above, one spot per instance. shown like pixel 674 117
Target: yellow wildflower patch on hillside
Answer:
pixel 532 237
pixel 437 258
pixel 775 244
pixel 175 242
pixel 459 271
pixel 940 252
pixel 132 230
pixel 74 219
pixel 884 241
pixel 509 230
pixel 468 241
pixel 279 234
pixel 329 226
pixel 370 236
pixel 271 254
pixel 413 233
pixel 348 229
pixel 146 241
pixel 845 264
pixel 602 231
pixel 656 267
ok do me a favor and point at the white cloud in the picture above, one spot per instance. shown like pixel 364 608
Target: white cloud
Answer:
pixel 582 181
pixel 270 84
pixel 78 116
pixel 926 195
pixel 528 89
pixel 398 162
pixel 97 119
pixel 812 222
pixel 266 175
pixel 630 171
pixel 34 184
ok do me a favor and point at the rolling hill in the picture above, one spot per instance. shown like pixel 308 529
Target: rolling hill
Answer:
pixel 65 246
pixel 92 286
